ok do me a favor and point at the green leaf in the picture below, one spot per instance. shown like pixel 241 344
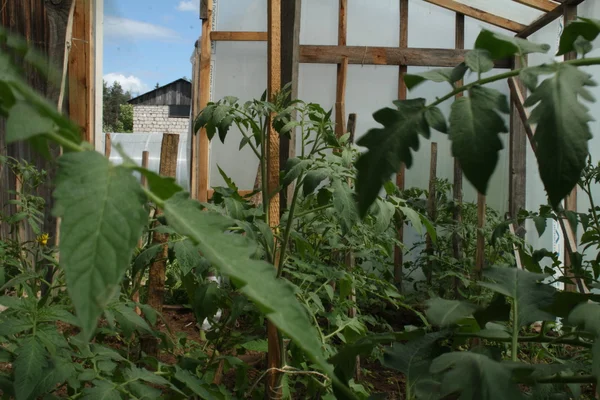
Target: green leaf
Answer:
pixel 540 224
pixel 384 212
pixel 145 258
pixel 450 75
pixel 129 321
pixel 206 301
pixel 193 383
pixel 436 119
pixel 102 210
pixel 102 390
pixel 389 147
pixel 497 310
pixel 443 313
pixel 587 28
pixel 257 345
pixel 231 255
pixel 475 125
pixel 28 367
pixel 562 132
pixel 474 376
pixel 479 61
pixel 294 167
pixel 587 315
pixel 188 256
pixel 414 358
pixel 531 296
pixel 25 122
pixel 502 46
pixel 312 180
pixel 344 205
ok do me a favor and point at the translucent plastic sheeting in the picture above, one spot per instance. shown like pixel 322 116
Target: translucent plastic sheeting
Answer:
pixel 134 144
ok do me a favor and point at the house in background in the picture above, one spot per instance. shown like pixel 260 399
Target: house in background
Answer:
pixel 163 110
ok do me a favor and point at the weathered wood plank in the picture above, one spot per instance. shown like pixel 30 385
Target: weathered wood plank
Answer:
pixel 321 54
pixel 480 15
pixel 225 36
pixel 542 5
pixel 546 18
pixel 457 187
pixel 204 83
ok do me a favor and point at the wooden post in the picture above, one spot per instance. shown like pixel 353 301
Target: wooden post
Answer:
pixel 431 205
pixel 570 14
pixel 204 82
pixel 136 279
pixel 517 189
pixel 107 145
pixel 291 11
pixel 156 276
pixel 81 69
pixel 480 250
pixel 401 175
pixel 194 167
pixel 458 175
pixel 273 388
pixel 342 73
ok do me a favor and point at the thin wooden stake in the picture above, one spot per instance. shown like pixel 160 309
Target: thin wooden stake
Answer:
pixel 137 279
pixel 204 82
pixel 401 175
pixel 156 275
pixel 431 205
pixel 274 355
pixel 107 145
pixel 480 250
pixel 342 73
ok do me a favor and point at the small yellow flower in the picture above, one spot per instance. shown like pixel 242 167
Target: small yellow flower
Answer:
pixel 43 239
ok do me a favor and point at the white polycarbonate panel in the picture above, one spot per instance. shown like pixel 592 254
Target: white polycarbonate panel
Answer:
pixel 241 15
pixel 380 29
pixel 430 26
pixel 506 8
pixel 240 70
pixel 319 22
pixel 134 144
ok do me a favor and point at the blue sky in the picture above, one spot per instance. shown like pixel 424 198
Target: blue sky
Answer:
pixel 149 41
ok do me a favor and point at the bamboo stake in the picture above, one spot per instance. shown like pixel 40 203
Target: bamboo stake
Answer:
pixel 431 206
pixel 401 175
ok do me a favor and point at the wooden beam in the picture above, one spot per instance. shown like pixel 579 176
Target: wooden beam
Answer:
pixel 290 62
pixel 457 187
pixel 546 18
pixel 542 5
pixel 480 15
pixel 81 70
pixel 242 193
pixel 273 386
pixel 204 83
pixel 401 175
pixel 342 72
pixel 519 131
pixel 365 55
pixel 225 36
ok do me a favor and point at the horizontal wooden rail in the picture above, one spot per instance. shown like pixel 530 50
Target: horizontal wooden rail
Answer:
pixel 225 36
pixel 480 15
pixel 386 56
pixel 542 5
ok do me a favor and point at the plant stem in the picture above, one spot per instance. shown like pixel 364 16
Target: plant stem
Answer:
pixel 288 227
pixel 515 333
pixel 313 210
pixel 65 143
pixel 581 62
pixel 532 339
pixel 562 379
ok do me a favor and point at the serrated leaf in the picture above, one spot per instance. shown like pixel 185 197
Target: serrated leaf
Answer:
pixel 475 125
pixel 294 167
pixel 312 180
pixel 206 301
pixel 28 367
pixel 193 383
pixel 102 390
pixel 145 258
pixel 587 28
pixel 562 131
pixel 540 225
pixel 497 310
pixel 479 61
pixel 444 313
pixel 224 126
pixel 389 147
pixel 436 119
pixel 414 358
pixel 531 296
pixel 25 122
pixel 474 376
pixel 231 255
pixel 256 345
pixel 188 256
pixel 449 75
pixel 102 210
pixel 129 321
pixel 344 205
pixel 384 212
pixel 502 46
pixel 587 315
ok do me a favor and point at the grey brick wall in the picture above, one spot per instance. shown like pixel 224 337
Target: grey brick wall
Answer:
pixel 156 119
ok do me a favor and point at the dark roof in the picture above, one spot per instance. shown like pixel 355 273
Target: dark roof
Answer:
pixel 134 100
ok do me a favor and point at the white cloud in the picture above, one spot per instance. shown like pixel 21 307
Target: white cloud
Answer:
pixel 123 28
pixel 189 5
pixel 129 83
